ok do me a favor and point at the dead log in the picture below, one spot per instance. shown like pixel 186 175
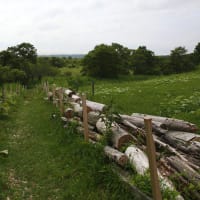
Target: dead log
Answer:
pixel 165 146
pixel 115 155
pixel 75 98
pixel 182 167
pixel 134 128
pixel 141 163
pixel 93 117
pixel 139 122
pixel 119 136
pixel 68 113
pixel 69 92
pixel 138 132
pixel 170 123
pixel 95 136
pixel 183 141
pixel 138 159
pixel 78 110
pixel 92 135
pixel 94 106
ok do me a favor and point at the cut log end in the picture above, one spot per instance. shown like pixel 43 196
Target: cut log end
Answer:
pixel 123 140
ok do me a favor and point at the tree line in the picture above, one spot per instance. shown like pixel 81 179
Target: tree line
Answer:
pixel 21 64
pixel 113 60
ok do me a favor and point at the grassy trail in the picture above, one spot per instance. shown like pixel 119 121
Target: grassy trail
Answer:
pixel 46 161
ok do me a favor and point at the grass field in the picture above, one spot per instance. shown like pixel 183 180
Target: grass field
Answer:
pixel 172 96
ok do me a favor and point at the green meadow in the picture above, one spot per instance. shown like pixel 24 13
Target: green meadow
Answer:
pixel 175 96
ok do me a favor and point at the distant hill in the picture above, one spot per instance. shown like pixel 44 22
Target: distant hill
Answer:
pixel 64 55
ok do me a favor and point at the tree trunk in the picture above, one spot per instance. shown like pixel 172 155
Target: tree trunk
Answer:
pixel 115 155
pixel 68 113
pixel 170 123
pixel 75 98
pixel 93 117
pixel 94 106
pixel 69 92
pixel 139 122
pixel 78 110
pixel 138 159
pixel 184 142
pixel 182 167
pixel 119 136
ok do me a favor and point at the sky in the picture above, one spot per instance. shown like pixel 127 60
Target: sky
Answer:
pixel 76 27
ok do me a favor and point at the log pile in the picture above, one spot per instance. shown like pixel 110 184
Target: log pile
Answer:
pixel 177 143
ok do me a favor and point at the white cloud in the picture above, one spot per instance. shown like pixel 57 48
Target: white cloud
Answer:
pixel 65 26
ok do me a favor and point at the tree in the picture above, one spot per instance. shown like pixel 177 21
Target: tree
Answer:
pixel 124 56
pixel 102 62
pixel 23 52
pixel 22 57
pixel 5 75
pixel 197 53
pixel 43 68
pixel 180 61
pixel 57 62
pixel 5 58
pixel 142 61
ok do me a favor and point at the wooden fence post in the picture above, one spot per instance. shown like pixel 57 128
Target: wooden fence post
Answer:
pixel 85 118
pixel 152 160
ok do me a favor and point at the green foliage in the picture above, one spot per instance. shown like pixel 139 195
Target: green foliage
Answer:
pixel 57 62
pixel 143 61
pixel 22 52
pixel 143 182
pixel 43 68
pixel 185 188
pixel 110 115
pixel 102 62
pixel 182 104
pixel 74 82
pixel 22 57
pixel 124 55
pixel 179 61
pixel 6 105
pixel 197 53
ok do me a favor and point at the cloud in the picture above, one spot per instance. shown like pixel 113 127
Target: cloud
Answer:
pixel 66 26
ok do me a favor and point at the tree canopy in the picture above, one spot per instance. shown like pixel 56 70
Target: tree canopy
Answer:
pixel 142 61
pixel 102 62
pixel 180 61
pixel 20 63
